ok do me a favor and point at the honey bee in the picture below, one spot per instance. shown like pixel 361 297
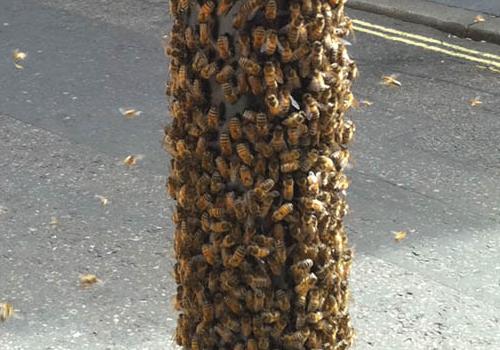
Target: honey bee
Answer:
pixel 220 226
pixel 206 11
pixel 274 169
pixel 302 288
pixel 258 252
pixel 237 257
pixel 242 83
pixel 258 37
pixel 282 212
pixel 246 176
pixel 230 94
pixel 256 283
pixel 272 43
pixel 224 7
pixel 278 142
pixel 286 51
pixel 390 80
pixel 252 344
pixel 271 10
pixel 129 113
pixel 301 52
pixel 225 334
pixel 131 160
pixel 200 60
pixel 18 56
pixel 205 37
pixel 6 311
pixel 225 144
pixel 317 83
pixel 244 45
pixel 224 74
pixel 288 188
pixel 282 300
pixel 262 124
pixel 290 167
pixel 208 253
pixel 223 48
pixel 273 104
pixel 88 280
pixel 255 85
pixel 260 165
pixel 244 154
pixel 341 158
pixel 235 130
pixel 190 38
pixel 475 102
pixel 249 66
pixel 292 79
pixel 264 149
pixel 295 31
pixel 208 71
pixel 246 326
pixel 182 7
pixel 297 339
pixel 295 11
pixel 271 76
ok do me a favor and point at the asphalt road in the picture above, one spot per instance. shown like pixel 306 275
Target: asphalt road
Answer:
pixel 425 161
pixel 491 7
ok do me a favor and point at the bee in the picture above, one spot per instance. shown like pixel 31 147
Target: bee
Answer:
pixel 225 334
pixel 205 37
pixel 274 169
pixel 295 11
pixel 208 253
pixel 244 45
pixel 129 113
pixel 271 10
pixel 475 102
pixel 271 76
pixel 288 188
pixel 244 153
pixel 246 326
pixel 88 280
pixel 230 94
pixel 282 300
pixel 346 134
pixel 224 7
pixel 278 142
pixel 252 344
pixel 216 212
pixel 264 149
pixel 190 38
pixel 234 305
pixel 206 11
pixel 273 104
pixel 341 182
pixel 255 85
pixel 271 43
pixel 300 53
pixel 6 311
pixel 292 79
pixel 317 83
pixel 289 156
pixel 264 187
pixel 246 176
pixel 220 226
pixel 282 212
pixel 262 124
pixel 238 256
pixel 223 49
pixel 286 52
pixel 290 167
pixel 399 235
pixel 208 71
pixel 302 288
pixel 258 37
pixel 235 130
pixel 182 7
pixel 295 31
pixel 224 74
pixel 249 66
pixel 295 120
pixel 225 144
pixel 242 83
pixel 131 160
pixel 297 339
pixel 341 158
pixel 216 183
pixel 260 165
pixel 204 202
pixel 200 60
pixel 18 56
pixel 390 80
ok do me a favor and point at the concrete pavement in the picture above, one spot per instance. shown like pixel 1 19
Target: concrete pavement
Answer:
pixel 425 161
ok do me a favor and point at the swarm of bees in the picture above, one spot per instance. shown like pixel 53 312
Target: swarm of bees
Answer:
pixel 258 144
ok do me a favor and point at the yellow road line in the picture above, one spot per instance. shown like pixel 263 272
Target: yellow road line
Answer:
pixel 425 39
pixel 429 47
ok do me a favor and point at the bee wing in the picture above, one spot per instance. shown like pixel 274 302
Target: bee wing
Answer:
pixel 295 104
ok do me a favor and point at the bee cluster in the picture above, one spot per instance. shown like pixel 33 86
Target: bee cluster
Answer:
pixel 259 91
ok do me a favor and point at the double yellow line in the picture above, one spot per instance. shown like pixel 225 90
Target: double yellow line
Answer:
pixel 490 60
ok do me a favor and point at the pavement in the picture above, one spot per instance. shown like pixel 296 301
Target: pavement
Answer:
pixel 458 17
pixel 425 161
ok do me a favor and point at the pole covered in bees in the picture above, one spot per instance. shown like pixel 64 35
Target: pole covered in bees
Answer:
pixel 258 94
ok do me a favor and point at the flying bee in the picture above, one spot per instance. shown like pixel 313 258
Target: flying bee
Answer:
pixel 246 176
pixel 225 144
pixel 390 80
pixel 475 102
pixel 244 154
pixel 6 311
pixel 230 93
pixel 131 160
pixel 235 130
pixel 273 104
pixel 271 10
pixel 399 235
pixel 223 48
pixel 282 212
pixel 129 113
pixel 209 70
pixel 249 66
pixel 206 11
pixel 88 280
pixel 18 56
pixel 224 74
pixel 255 85
pixel 258 37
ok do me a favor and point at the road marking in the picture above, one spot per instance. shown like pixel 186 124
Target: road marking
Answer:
pixel 484 61
pixel 426 39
